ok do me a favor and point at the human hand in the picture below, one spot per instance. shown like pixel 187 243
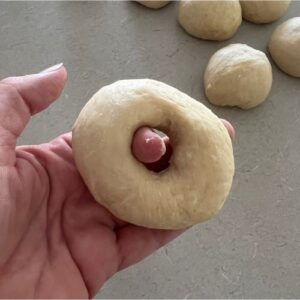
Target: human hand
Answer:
pixel 56 241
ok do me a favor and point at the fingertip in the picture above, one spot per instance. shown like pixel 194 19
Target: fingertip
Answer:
pixel 41 89
pixel 147 146
pixel 57 75
pixel 62 72
pixel 229 128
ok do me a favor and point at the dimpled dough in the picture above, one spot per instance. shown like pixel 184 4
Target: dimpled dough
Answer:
pixel 284 46
pixel 238 75
pixel 260 11
pixel 210 20
pixel 199 178
pixel 154 4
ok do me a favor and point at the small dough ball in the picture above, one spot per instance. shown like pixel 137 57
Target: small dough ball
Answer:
pixel 238 75
pixel 154 4
pixel 263 11
pixel 210 20
pixel 195 185
pixel 284 46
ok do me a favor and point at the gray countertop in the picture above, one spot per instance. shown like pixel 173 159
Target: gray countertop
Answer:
pixel 252 248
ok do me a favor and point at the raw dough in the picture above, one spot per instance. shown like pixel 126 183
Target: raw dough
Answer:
pixel 199 178
pixel 284 46
pixel 210 20
pixel 263 11
pixel 238 75
pixel 154 4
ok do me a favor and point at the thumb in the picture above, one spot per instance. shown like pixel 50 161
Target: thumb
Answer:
pixel 41 89
pixel 20 98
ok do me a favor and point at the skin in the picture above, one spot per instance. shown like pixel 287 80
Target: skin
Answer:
pixel 55 240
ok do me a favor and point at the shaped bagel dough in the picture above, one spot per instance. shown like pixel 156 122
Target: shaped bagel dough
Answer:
pixel 238 75
pixel 210 20
pixel 263 11
pixel 284 46
pixel 199 178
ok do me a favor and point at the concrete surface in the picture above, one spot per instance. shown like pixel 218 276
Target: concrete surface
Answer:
pixel 252 249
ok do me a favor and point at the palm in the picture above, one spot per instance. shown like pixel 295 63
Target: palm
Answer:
pixel 55 240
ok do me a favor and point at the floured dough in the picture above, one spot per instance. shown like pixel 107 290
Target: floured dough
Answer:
pixel 154 4
pixel 199 178
pixel 263 11
pixel 238 75
pixel 210 20
pixel 284 46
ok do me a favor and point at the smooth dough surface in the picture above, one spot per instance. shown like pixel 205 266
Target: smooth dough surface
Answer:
pixel 284 46
pixel 199 178
pixel 238 75
pixel 154 4
pixel 263 11
pixel 210 20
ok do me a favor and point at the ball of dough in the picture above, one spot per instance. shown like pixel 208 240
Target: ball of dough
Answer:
pixel 238 75
pixel 263 11
pixel 284 46
pixel 199 178
pixel 210 20
pixel 154 4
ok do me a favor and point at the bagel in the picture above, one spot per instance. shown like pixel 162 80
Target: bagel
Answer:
pixel 195 185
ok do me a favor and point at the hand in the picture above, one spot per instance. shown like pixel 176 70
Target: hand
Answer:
pixel 55 240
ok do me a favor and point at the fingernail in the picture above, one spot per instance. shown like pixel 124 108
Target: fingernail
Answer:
pixel 163 148
pixel 53 68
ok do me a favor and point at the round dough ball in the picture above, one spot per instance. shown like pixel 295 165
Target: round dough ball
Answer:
pixel 263 11
pixel 238 75
pixel 195 185
pixel 210 20
pixel 154 4
pixel 284 46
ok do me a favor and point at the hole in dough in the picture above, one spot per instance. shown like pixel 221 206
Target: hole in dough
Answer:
pixel 163 164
